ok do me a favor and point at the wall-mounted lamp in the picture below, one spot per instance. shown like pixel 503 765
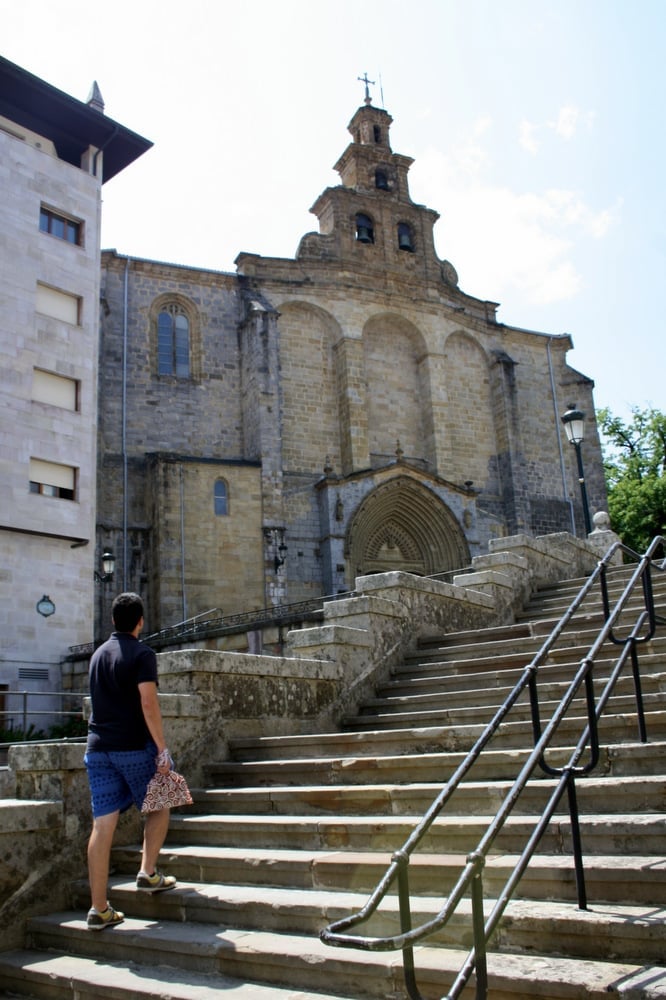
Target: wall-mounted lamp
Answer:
pixel 280 556
pixel 45 606
pixel 108 567
pixel 574 425
pixel 275 542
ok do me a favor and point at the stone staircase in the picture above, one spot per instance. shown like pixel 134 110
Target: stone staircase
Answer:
pixel 293 832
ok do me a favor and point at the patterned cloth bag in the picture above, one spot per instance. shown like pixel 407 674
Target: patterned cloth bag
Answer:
pixel 166 791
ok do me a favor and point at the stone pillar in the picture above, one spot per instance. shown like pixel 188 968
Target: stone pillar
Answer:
pixel 352 405
pixel 602 538
pixel 262 425
pixel 509 447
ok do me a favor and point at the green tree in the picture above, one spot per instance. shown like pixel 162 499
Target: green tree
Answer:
pixel 635 465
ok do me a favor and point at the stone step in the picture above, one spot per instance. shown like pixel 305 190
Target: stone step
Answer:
pixel 610 878
pixel 602 931
pixel 416 763
pixel 535 621
pixel 77 977
pixel 304 963
pixel 419 714
pixel 555 604
pixel 616 582
pixel 601 833
pixel 594 794
pixel 617 577
pixel 464 684
pixel 428 738
pixel 495 633
pixel 498 653
pixel 479 655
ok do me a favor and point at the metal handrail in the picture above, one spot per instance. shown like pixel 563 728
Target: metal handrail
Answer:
pixel 25 712
pixel 471 876
pixel 277 614
pixel 202 626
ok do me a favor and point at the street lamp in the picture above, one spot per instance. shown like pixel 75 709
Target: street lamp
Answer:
pixel 574 425
pixel 108 567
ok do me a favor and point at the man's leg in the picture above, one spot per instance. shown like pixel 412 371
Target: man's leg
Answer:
pixel 154 835
pixel 99 852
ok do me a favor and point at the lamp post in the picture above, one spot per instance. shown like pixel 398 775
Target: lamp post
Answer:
pixel 108 561
pixel 574 425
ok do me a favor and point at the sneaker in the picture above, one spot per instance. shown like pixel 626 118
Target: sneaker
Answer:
pixel 157 882
pixel 109 917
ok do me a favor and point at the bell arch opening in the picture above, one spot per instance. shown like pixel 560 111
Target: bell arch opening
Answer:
pixel 402 525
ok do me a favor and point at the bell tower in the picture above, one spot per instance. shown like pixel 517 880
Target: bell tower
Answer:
pixel 369 163
pixel 369 222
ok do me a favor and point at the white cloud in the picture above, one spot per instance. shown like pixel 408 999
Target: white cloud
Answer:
pixel 567 122
pixel 570 210
pixel 503 241
pixel 482 125
pixel 527 137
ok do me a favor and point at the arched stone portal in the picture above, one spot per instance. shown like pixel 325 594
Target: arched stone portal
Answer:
pixel 402 525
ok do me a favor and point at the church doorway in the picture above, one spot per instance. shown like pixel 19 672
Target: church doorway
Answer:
pixel 402 525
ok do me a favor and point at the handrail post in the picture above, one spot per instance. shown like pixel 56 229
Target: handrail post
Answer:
pixel 479 927
pixel 25 711
pixel 408 969
pixel 576 841
pixel 638 691
pixel 648 598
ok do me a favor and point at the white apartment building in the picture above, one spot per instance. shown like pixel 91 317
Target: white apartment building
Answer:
pixel 55 154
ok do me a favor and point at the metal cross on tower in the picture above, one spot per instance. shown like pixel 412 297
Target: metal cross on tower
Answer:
pixel 364 79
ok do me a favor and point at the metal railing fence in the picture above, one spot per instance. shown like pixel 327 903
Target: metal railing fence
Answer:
pixel 23 710
pixel 637 629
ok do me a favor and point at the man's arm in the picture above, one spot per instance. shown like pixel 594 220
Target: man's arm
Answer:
pixel 150 707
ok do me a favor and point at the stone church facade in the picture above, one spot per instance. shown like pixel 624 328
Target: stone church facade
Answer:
pixel 267 436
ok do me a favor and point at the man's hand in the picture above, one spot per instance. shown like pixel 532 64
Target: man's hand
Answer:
pixel 164 761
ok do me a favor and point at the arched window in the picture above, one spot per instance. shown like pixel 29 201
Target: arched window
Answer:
pixel 173 342
pixel 365 232
pixel 221 497
pixel 405 240
pixel 381 180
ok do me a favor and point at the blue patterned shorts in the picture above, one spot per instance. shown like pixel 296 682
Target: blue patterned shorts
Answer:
pixel 119 778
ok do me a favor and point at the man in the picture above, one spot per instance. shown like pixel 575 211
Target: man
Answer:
pixel 125 746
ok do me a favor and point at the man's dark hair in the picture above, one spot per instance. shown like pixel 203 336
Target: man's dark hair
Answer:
pixel 126 611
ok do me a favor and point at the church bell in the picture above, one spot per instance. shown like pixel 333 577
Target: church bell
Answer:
pixel 404 239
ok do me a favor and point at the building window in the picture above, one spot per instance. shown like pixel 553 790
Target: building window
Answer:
pixel 405 240
pixel 58 225
pixel 381 180
pixel 365 232
pixel 52 480
pixel 377 133
pixel 58 305
pixel 55 390
pixel 221 497
pixel 173 342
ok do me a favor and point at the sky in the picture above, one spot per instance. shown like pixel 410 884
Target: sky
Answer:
pixel 536 128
